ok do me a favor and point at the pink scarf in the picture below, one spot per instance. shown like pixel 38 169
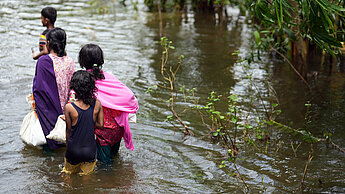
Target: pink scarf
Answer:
pixel 115 95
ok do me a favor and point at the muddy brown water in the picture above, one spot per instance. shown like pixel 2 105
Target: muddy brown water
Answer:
pixel 165 160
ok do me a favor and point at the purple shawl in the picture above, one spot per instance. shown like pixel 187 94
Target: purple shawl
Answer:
pixel 46 97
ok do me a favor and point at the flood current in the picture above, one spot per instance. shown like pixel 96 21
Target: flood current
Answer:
pixel 164 160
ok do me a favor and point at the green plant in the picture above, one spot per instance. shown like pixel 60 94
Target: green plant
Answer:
pixel 222 124
pixel 287 20
pixel 101 6
pixel 227 119
pixel 168 72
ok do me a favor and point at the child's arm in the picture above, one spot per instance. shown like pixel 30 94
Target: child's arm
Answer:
pixel 68 120
pixel 99 117
pixel 43 52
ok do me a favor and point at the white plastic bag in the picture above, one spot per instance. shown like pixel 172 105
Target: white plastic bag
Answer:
pixel 59 131
pixel 31 131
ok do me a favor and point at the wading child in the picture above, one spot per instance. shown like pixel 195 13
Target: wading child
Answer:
pixel 48 18
pixel 117 101
pixel 82 116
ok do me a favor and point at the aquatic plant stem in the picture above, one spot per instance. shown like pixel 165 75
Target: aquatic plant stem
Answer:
pixel 160 17
pixel 188 131
pixel 169 77
pixel 338 147
pixel 203 121
pixel 258 91
pixel 239 174
pixel 292 130
pixel 292 66
pixel 295 149
pixel 310 157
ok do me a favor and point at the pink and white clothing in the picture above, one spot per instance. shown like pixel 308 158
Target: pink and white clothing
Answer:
pixel 50 90
pixel 64 68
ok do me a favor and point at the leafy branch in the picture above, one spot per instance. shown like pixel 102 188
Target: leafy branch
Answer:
pixel 168 73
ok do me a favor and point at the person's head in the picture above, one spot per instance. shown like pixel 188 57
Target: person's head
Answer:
pixel 48 16
pixel 56 41
pixel 83 83
pixel 91 57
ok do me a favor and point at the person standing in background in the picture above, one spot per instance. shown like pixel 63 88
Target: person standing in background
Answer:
pixel 48 18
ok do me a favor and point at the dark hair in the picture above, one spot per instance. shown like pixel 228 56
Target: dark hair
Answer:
pixel 57 40
pixel 50 13
pixel 83 83
pixel 91 57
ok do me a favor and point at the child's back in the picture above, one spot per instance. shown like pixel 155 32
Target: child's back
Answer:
pixel 81 145
pixel 82 116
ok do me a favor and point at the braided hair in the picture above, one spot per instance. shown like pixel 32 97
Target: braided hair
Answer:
pixel 91 57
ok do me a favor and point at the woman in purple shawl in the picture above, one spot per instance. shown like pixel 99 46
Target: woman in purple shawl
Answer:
pixel 51 83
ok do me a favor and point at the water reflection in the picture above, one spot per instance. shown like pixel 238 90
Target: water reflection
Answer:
pixel 207 49
pixel 119 177
pixel 163 160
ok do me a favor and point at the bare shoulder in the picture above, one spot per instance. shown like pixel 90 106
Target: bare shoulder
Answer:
pixel 68 107
pixel 98 105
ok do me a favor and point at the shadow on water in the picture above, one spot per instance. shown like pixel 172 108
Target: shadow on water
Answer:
pixel 164 160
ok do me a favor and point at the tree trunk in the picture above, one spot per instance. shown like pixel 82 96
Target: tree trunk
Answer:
pixel 301 56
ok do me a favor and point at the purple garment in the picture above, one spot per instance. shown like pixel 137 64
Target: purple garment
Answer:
pixel 46 97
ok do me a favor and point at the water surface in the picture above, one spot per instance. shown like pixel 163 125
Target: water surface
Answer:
pixel 164 160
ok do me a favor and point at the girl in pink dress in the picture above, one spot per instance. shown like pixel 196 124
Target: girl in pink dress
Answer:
pixel 117 102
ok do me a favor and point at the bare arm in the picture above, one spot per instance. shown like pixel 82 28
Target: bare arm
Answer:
pixel 43 52
pixel 68 120
pixel 99 117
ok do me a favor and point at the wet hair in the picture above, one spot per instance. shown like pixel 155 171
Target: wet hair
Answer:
pixel 57 41
pixel 91 57
pixel 83 83
pixel 50 13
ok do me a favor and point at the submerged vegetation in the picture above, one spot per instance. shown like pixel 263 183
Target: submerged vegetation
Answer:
pixel 294 29
pixel 236 123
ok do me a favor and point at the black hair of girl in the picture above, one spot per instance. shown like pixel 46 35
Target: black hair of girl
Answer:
pixel 50 13
pixel 56 38
pixel 83 83
pixel 91 57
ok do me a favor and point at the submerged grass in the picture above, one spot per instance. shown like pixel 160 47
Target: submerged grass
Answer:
pixel 229 122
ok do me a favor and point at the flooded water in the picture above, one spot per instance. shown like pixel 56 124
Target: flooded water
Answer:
pixel 165 160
